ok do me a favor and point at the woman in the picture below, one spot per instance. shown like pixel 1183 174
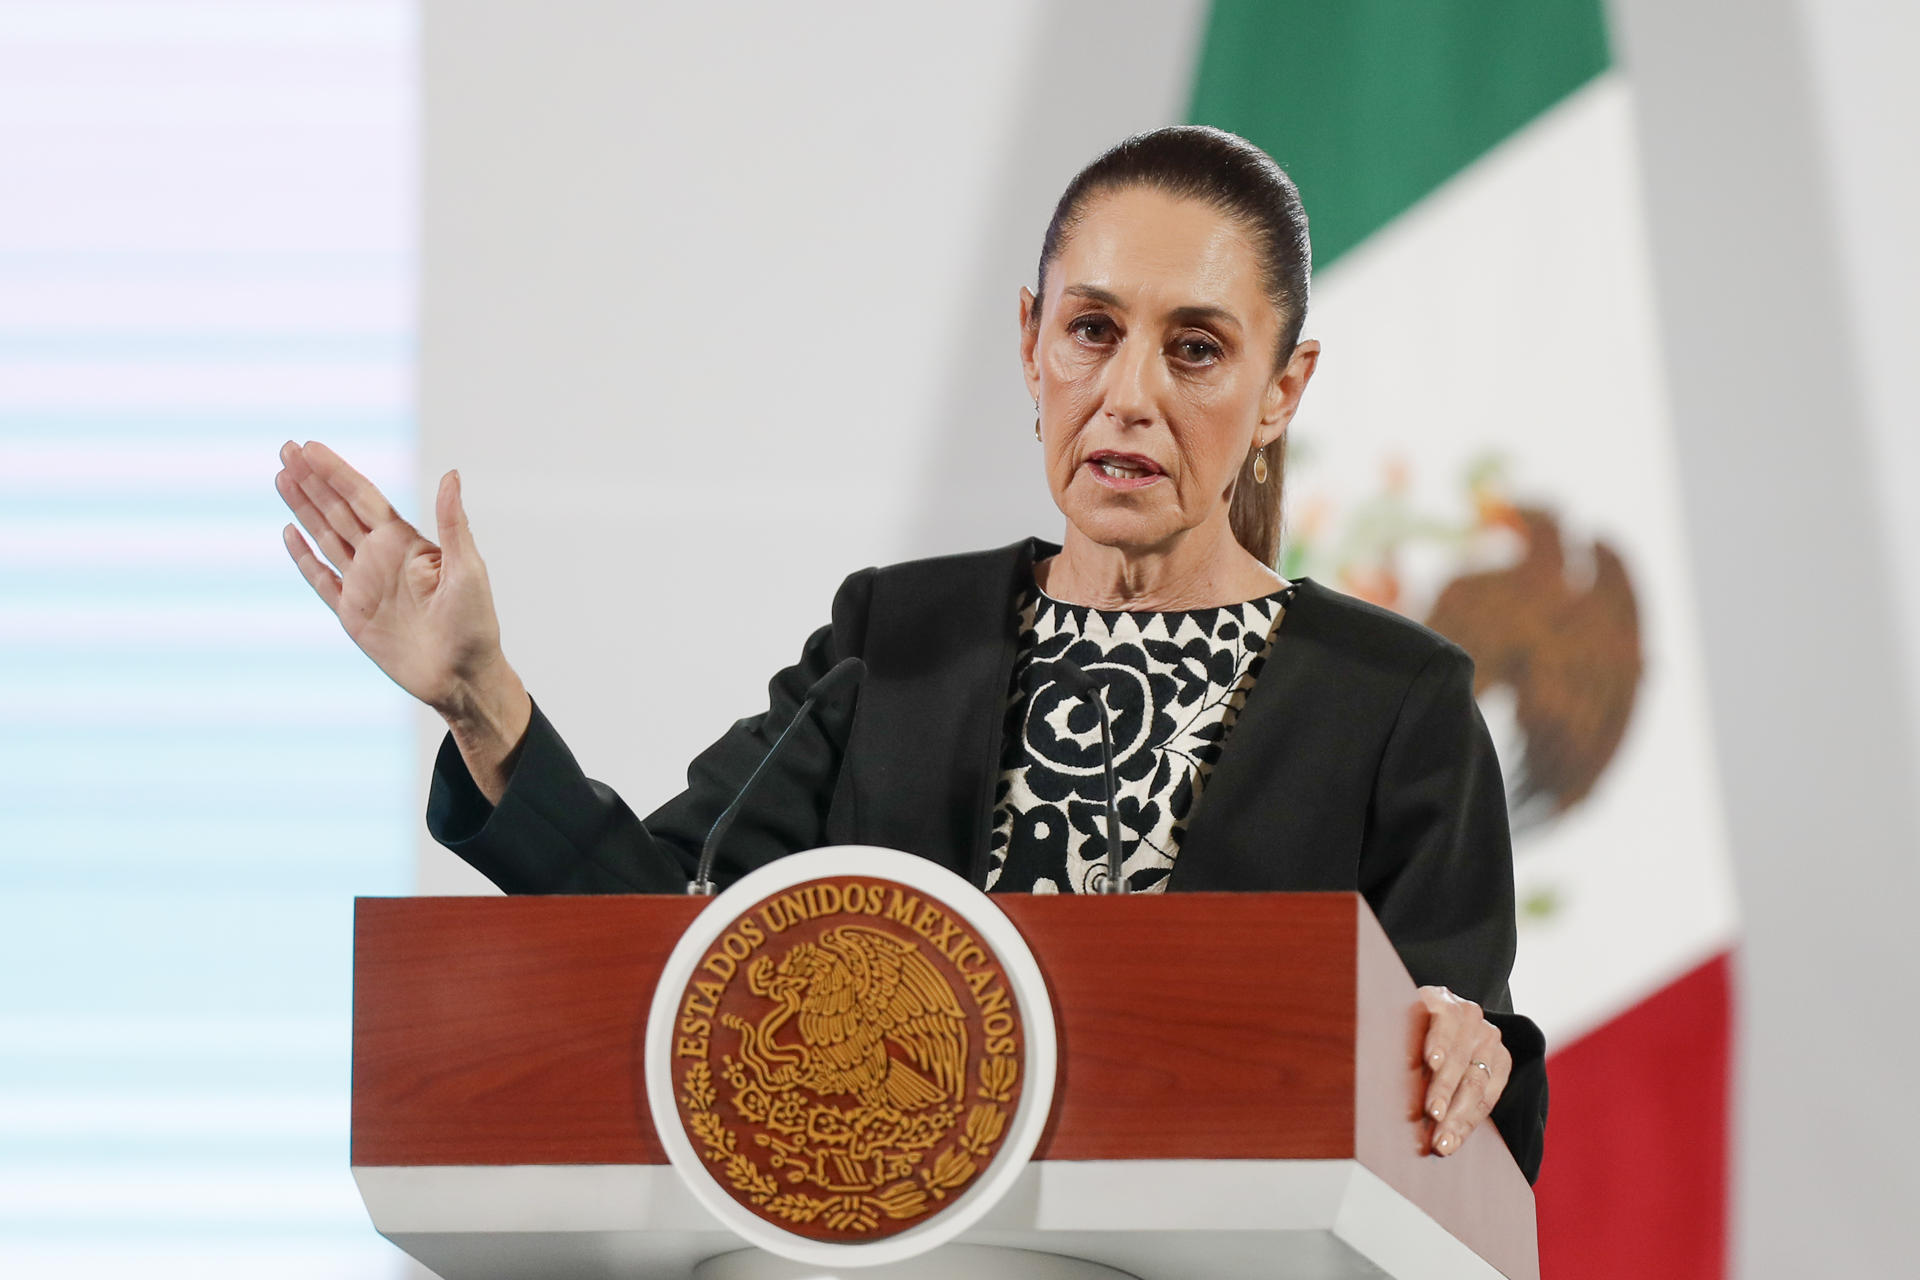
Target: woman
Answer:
pixel 1273 735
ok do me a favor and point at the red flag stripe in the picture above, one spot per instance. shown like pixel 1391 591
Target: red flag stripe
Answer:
pixel 1635 1178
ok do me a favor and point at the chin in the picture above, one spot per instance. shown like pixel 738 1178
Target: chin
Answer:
pixel 1122 530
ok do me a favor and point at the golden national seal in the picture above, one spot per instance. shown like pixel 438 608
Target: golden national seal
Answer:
pixel 847 1057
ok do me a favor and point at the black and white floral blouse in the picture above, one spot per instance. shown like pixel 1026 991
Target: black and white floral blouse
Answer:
pixel 1174 684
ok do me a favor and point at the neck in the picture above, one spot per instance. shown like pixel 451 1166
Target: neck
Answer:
pixel 1201 568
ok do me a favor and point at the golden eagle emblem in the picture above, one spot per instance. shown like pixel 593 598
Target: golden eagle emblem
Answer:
pixel 1567 646
pixel 851 995
pixel 848 1058
pixel 1551 623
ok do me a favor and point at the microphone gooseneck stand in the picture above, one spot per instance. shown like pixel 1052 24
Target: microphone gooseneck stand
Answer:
pixel 829 688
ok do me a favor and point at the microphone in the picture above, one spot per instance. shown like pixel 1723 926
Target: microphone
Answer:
pixel 1070 675
pixel 828 689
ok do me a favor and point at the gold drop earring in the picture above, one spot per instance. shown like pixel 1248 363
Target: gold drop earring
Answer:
pixel 1036 420
pixel 1260 465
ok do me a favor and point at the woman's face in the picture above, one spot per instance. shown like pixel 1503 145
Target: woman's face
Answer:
pixel 1153 368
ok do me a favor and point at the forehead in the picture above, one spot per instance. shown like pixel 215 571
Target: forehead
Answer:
pixel 1152 249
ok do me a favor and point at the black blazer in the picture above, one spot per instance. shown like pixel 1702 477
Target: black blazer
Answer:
pixel 1360 762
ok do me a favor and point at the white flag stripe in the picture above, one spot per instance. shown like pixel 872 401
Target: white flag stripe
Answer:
pixel 1637 874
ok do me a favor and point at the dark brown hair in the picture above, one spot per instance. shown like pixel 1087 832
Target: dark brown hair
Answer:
pixel 1225 171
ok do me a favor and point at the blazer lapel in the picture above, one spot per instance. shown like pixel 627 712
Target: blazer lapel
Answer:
pixel 1253 827
pixel 939 651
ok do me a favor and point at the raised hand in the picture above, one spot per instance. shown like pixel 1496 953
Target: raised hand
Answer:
pixel 423 612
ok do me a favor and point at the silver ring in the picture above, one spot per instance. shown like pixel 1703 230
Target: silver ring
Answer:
pixel 1484 1067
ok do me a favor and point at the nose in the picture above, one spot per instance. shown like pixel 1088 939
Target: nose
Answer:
pixel 1132 383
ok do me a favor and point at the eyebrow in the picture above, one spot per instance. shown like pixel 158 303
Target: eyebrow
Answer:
pixel 1181 315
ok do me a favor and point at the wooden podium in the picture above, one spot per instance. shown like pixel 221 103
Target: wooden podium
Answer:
pixel 1238 1095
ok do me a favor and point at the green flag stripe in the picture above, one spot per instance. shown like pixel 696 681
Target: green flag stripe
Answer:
pixel 1371 104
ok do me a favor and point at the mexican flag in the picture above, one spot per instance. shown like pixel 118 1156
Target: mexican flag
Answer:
pixel 1486 448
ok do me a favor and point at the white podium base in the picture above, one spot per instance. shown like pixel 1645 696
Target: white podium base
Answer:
pixel 1150 1219
pixel 954 1262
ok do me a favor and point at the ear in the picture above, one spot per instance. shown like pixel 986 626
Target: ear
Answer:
pixel 1282 398
pixel 1029 339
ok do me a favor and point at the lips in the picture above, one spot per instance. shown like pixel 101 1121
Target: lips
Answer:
pixel 1123 470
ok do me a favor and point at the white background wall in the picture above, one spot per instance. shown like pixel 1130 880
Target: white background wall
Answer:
pixel 718 305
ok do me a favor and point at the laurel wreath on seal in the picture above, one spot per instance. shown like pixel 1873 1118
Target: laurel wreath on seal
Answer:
pixel 948 1171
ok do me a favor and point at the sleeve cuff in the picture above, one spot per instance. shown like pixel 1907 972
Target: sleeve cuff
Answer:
pixel 1521 1113
pixel 459 814
pixel 456 811
pixel 554 831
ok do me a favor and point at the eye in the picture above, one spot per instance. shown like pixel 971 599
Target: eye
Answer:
pixel 1195 350
pixel 1093 328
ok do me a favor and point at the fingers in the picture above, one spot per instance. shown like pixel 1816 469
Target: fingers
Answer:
pixel 1469 1067
pixel 450 517
pixel 325 583
pixel 367 502
pixel 327 509
pixel 331 544
pixel 1480 1088
pixel 1449 1067
pixel 1445 1051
